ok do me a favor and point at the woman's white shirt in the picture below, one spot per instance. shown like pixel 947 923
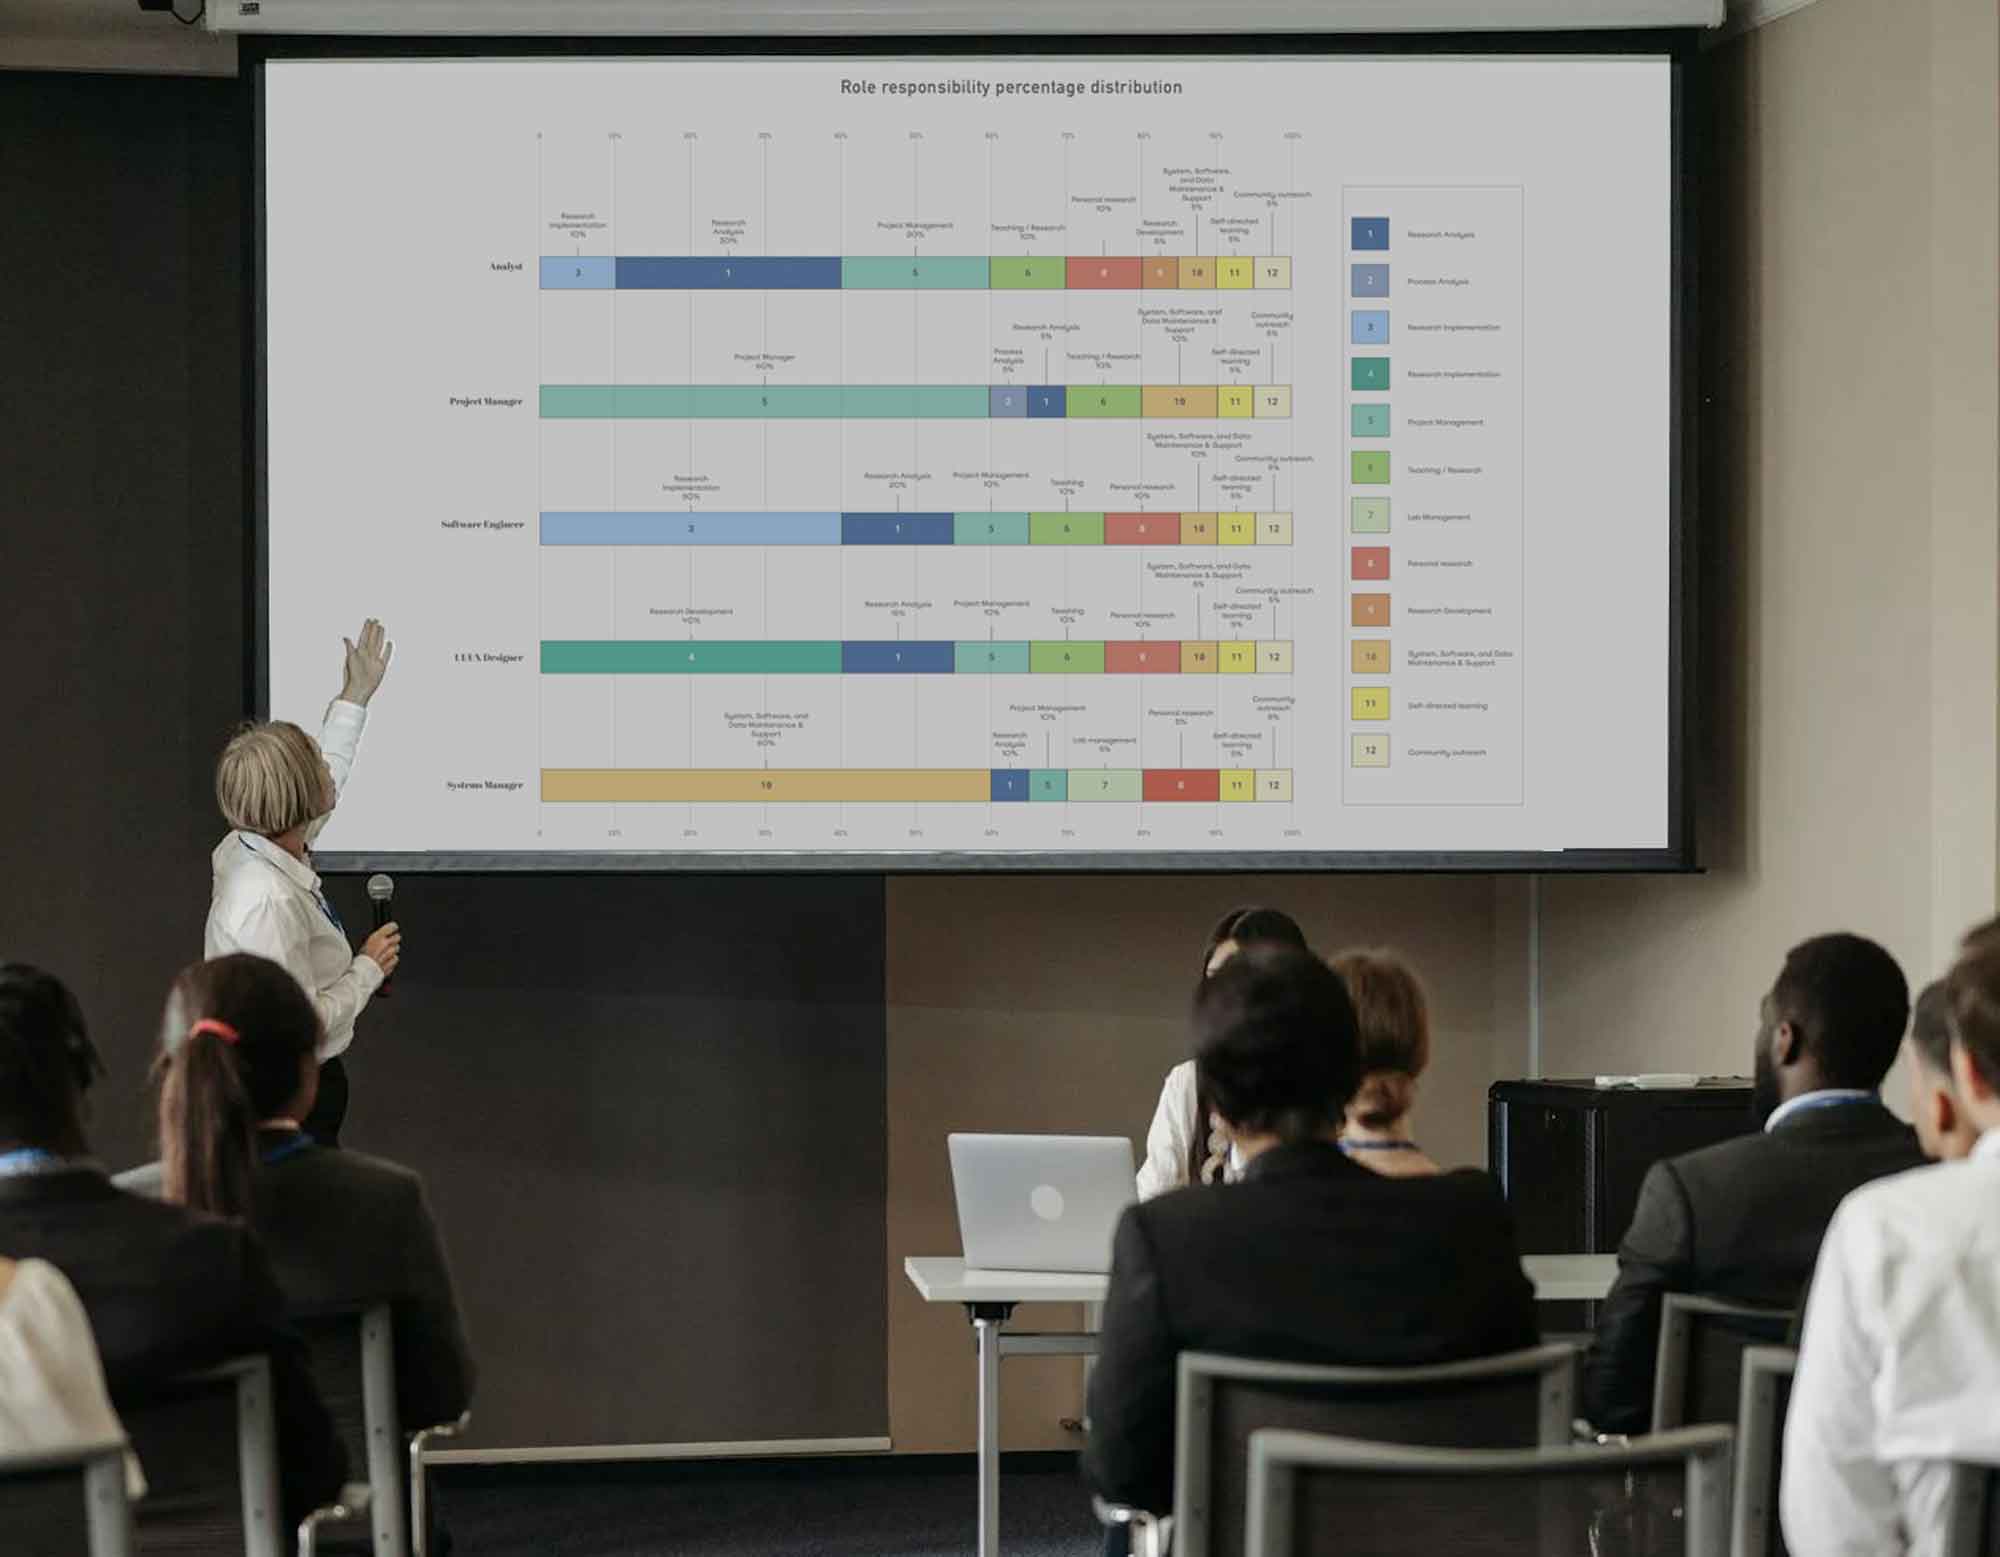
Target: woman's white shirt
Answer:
pixel 1172 1134
pixel 52 1393
pixel 269 903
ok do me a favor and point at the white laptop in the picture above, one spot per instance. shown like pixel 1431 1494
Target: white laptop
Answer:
pixel 1040 1202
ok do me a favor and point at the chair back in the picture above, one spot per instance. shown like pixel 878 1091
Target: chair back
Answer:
pixel 200 1497
pixel 1698 1374
pixel 354 1364
pixel 1974 1528
pixel 1760 1443
pixel 1517 1400
pixel 1655 1496
pixel 66 1502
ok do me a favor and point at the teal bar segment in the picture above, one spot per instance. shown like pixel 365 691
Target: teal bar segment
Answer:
pixel 1048 784
pixel 768 402
pixel 991 659
pixel 916 401
pixel 650 657
pixel 914 273
pixel 989 529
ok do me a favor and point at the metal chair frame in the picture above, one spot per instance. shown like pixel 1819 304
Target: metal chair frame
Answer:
pixel 1759 1438
pixel 1277 1458
pixel 1680 1313
pixel 100 1484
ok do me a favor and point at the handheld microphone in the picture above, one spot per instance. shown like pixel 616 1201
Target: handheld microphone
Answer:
pixel 380 890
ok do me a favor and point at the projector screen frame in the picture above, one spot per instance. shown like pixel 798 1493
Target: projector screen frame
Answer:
pixel 1679 49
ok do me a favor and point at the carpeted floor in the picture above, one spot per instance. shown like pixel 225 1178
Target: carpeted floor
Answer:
pixel 912 1506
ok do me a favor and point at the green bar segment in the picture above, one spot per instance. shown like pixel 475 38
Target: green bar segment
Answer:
pixel 991 659
pixel 1066 657
pixel 1066 529
pixel 989 529
pixel 1024 273
pixel 911 273
pixel 636 657
pixel 1103 400
pixel 1104 784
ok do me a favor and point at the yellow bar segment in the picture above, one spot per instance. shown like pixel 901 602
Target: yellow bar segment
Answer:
pixel 1237 529
pixel 1236 659
pixel 1177 400
pixel 1235 273
pixel 1234 400
pixel 1371 702
pixel 695 786
pixel 1239 785
pixel 1274 273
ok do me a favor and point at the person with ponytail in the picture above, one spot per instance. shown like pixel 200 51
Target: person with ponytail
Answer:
pixel 237 1074
pixel 166 1290
pixel 1187 1143
pixel 1395 1047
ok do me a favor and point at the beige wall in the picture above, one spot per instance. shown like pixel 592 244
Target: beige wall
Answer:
pixel 1849 774
pixel 1851 552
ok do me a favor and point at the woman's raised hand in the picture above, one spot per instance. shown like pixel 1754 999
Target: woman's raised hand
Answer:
pixel 367 662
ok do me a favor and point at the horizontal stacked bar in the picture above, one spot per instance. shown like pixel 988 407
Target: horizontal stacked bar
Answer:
pixel 852 786
pixel 666 528
pixel 917 657
pixel 915 273
pixel 902 402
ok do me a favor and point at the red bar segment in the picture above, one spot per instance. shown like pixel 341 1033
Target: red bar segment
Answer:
pixel 1142 529
pixel 1182 784
pixel 1371 562
pixel 1150 657
pixel 1105 275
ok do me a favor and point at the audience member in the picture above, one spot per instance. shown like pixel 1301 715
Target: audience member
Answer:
pixel 342 1230
pixel 1186 1144
pixel 1742 1219
pixel 1942 1127
pixel 1309 1257
pixel 1900 1368
pixel 52 1393
pixel 166 1290
pixel 1395 1030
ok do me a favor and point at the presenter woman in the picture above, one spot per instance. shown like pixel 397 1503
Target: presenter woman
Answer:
pixel 1186 1144
pixel 276 786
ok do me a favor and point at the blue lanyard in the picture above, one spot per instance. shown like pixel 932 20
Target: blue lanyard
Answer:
pixel 318 897
pixel 299 1142
pixel 27 1159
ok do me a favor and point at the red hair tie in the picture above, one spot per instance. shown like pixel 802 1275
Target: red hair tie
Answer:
pixel 221 1029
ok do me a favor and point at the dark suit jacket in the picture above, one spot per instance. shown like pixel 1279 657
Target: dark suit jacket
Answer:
pixel 1311 1258
pixel 343 1230
pixel 1741 1220
pixel 168 1291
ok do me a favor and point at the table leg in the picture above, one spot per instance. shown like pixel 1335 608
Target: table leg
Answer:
pixel 988 1330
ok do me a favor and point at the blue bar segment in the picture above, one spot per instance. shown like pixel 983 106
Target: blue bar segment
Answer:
pixel 1049 400
pixel 1008 400
pixel 1370 232
pixel 728 273
pixel 1370 281
pixel 1010 784
pixel 577 273
pixel 684 529
pixel 895 529
pixel 861 658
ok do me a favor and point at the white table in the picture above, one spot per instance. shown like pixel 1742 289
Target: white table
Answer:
pixel 989 1297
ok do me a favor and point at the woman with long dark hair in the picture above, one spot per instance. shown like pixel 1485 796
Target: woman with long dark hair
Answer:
pixel 1186 1144
pixel 237 1074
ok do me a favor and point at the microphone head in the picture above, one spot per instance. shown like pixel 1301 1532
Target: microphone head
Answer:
pixel 380 888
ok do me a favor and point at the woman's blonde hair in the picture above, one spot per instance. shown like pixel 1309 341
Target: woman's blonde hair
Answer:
pixel 270 779
pixel 1395 1034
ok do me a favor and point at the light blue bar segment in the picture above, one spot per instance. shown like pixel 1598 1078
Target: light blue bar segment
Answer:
pixel 991 659
pixel 578 273
pixel 702 529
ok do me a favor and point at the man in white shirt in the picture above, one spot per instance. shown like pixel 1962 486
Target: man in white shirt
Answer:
pixel 1899 1367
